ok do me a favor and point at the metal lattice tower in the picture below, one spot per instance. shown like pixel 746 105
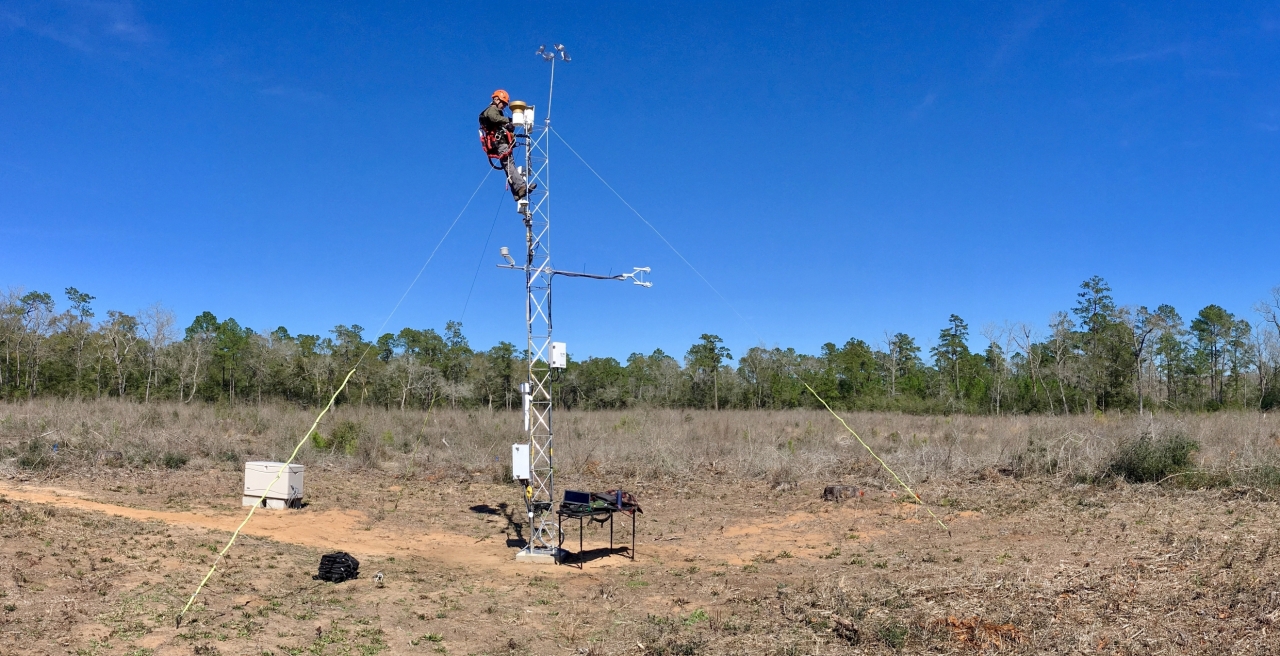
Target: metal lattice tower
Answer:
pixel 544 530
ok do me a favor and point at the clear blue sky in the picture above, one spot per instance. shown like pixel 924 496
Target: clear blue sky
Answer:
pixel 834 170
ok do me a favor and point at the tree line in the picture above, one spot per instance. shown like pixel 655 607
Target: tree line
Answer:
pixel 1096 356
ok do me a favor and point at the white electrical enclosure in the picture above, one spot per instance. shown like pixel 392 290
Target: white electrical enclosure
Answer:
pixel 284 492
pixel 520 462
pixel 559 355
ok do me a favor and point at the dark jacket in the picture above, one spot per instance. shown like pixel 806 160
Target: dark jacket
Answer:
pixel 492 119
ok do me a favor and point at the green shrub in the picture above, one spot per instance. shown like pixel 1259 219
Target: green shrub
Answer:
pixel 1261 476
pixel 696 616
pixel 1203 480
pixel 893 634
pixel 1150 460
pixel 1035 459
pixel 345 435
pixel 35 454
pixel 174 460
pixel 344 438
pixel 1271 400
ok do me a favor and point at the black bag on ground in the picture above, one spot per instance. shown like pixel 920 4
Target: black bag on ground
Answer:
pixel 337 567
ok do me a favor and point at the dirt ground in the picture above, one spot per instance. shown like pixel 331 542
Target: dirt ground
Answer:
pixel 100 562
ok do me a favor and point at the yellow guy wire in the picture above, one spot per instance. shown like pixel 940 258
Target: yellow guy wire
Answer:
pixel 327 408
pixel 178 620
pixel 332 400
pixel 882 463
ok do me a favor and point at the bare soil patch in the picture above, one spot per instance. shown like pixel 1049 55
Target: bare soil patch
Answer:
pixel 99 561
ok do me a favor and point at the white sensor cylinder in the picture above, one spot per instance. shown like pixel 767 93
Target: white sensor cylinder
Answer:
pixel 525 399
pixel 518 108
pixel 528 115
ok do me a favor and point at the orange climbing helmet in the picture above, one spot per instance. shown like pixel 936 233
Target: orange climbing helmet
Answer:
pixel 502 95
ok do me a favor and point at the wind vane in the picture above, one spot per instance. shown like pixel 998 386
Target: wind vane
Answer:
pixel 532 461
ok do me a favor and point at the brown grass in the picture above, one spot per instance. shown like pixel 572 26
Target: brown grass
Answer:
pixel 730 559
pixel 651 445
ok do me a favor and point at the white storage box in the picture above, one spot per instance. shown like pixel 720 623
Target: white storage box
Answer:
pixel 286 492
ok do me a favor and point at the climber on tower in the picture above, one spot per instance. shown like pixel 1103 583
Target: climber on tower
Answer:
pixel 498 137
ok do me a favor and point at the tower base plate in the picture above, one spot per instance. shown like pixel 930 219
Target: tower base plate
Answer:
pixel 551 557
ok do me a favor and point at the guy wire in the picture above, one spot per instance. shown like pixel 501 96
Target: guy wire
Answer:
pixel 882 463
pixel 751 327
pixel 178 620
pixel 480 263
pixel 660 235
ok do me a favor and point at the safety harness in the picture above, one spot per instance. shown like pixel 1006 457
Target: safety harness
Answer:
pixel 492 141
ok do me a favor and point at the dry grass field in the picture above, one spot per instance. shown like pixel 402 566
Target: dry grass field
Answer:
pixel 1056 545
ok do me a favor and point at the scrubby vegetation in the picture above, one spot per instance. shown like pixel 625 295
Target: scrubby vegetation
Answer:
pixel 1150 460
pixel 783 447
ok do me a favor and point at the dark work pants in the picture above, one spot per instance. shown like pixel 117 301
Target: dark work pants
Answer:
pixel 515 179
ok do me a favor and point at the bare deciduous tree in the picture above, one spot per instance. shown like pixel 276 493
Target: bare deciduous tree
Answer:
pixel 157 327
pixel 1270 308
pixel 38 320
pixel 1024 339
pixel 1062 347
pixel 1142 324
pixel 997 346
pixel 122 335
pixel 195 350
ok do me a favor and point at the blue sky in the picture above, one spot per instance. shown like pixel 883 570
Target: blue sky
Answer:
pixel 836 170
